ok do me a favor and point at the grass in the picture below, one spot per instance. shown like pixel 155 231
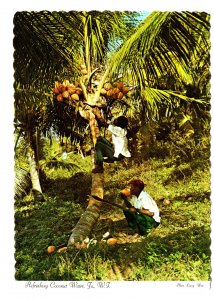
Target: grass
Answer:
pixel 179 249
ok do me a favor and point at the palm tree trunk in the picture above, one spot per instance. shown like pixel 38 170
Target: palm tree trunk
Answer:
pixel 36 186
pixel 89 218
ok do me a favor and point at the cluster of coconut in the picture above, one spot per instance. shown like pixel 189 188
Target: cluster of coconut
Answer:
pixel 67 92
pixel 110 241
pixel 115 90
pixel 71 93
pixel 52 249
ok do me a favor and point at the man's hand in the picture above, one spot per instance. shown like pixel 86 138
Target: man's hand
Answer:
pixel 96 111
pixel 132 209
pixel 123 196
pixel 141 211
pixel 99 117
pixel 145 212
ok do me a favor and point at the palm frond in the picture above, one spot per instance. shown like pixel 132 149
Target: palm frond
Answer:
pixel 154 99
pixel 53 44
pixel 161 37
pixel 22 182
pixel 56 164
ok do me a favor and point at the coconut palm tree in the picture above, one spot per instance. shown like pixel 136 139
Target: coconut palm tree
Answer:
pixel 47 49
pixel 101 43
pixel 57 37
pixel 36 63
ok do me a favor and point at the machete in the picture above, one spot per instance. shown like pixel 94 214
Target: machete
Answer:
pixel 112 203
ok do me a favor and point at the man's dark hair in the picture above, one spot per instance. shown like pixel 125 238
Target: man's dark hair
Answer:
pixel 121 122
pixel 137 182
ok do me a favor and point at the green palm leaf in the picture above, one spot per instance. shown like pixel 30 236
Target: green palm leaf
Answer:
pixel 22 182
pixel 163 41
pixel 50 45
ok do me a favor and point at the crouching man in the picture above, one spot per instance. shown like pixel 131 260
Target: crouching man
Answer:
pixel 143 214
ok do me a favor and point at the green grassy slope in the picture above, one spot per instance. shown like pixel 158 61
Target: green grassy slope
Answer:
pixel 179 249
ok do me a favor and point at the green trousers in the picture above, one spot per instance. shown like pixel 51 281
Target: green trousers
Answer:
pixel 143 224
pixel 104 148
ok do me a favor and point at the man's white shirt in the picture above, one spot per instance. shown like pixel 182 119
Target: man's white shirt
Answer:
pixel 145 201
pixel 119 141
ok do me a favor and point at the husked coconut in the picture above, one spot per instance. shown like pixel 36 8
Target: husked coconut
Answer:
pixel 116 91
pixel 75 97
pixel 120 85
pixel 107 86
pixel 120 95
pixel 56 90
pixel 65 94
pixel 71 90
pixel 110 93
pixel 51 249
pixel 112 241
pixel 103 91
pixel 126 192
pixel 62 250
pixel 59 98
pixel 78 91
pixel 125 90
pixel 62 88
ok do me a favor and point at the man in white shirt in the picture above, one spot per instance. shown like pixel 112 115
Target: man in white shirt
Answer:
pixel 115 151
pixel 143 214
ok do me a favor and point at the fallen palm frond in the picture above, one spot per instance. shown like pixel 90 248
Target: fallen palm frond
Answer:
pixel 22 182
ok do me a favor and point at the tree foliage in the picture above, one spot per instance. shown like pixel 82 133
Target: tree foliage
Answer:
pixel 159 55
pixel 164 59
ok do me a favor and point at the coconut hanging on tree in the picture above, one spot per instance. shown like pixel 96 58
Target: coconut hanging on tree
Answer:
pixel 115 90
pixel 67 92
pixel 72 94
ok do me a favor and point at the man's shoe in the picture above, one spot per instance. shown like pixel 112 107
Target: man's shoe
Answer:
pixel 98 169
pixel 108 160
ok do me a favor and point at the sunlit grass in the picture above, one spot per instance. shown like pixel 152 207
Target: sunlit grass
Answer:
pixel 179 249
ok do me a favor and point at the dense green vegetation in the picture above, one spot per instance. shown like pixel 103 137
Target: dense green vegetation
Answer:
pixel 179 249
pixel 163 62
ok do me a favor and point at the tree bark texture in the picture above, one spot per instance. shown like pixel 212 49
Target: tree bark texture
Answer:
pixel 89 218
pixel 36 186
